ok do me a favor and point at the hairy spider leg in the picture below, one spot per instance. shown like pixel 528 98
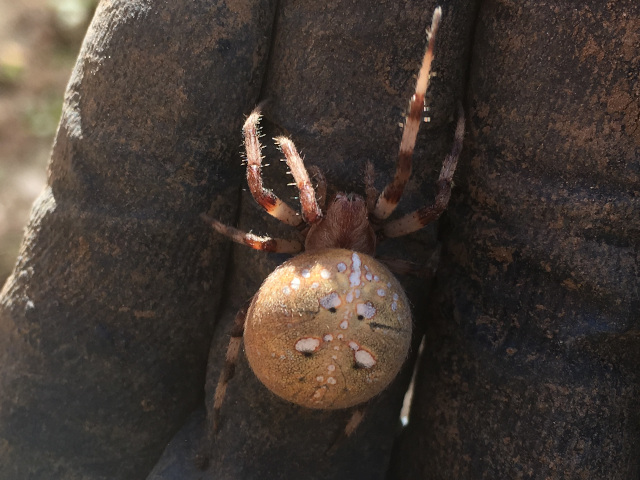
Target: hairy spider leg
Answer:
pixel 418 219
pixel 352 424
pixel 390 196
pixel 310 209
pixel 268 244
pixel 321 185
pixel 266 198
pixel 406 267
pixel 369 188
pixel 229 369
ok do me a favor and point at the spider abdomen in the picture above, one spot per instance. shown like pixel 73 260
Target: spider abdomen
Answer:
pixel 328 329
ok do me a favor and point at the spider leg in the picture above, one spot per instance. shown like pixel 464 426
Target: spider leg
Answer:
pixel 391 194
pixel 321 185
pixel 269 201
pixel 405 267
pixel 369 188
pixel 268 244
pixel 231 358
pixel 354 421
pixel 416 220
pixel 310 209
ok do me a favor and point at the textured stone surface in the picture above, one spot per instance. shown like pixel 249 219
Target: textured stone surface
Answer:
pixel 530 370
pixel 106 322
pixel 531 351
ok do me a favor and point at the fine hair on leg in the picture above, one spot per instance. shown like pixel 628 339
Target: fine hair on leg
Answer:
pixel 266 198
pixel 420 218
pixel 390 196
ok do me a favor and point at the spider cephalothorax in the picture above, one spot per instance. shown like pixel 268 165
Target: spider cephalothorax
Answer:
pixel 331 327
pixel 345 225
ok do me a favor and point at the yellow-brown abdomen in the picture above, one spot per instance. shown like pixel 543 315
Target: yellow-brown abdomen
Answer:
pixel 328 329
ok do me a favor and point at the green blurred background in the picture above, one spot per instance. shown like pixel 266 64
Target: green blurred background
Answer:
pixel 39 42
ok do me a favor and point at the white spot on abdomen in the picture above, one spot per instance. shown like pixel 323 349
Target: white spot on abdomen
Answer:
pixel 319 393
pixel 344 324
pixel 341 267
pixel 306 273
pixel 307 345
pixel 364 359
pixel 354 277
pixel 295 283
pixel 326 274
pixel 330 301
pixel 367 310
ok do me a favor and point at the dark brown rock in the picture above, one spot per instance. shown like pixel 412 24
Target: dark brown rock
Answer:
pixel 107 319
pixel 530 369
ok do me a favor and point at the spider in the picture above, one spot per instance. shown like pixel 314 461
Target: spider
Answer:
pixel 331 327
